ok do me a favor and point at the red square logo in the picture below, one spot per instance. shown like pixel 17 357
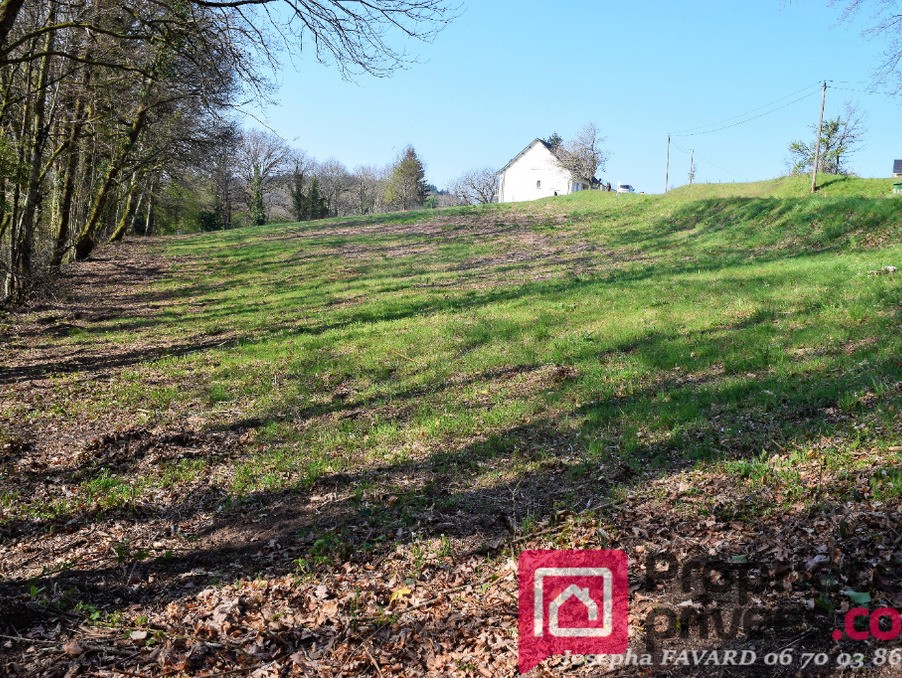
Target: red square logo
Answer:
pixel 574 601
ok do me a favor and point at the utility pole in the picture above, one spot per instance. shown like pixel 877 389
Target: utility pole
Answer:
pixel 667 167
pixel 691 166
pixel 817 144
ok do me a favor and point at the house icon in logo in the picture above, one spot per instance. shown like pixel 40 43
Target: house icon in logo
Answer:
pixel 573 591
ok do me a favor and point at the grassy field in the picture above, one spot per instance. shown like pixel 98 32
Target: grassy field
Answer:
pixel 403 401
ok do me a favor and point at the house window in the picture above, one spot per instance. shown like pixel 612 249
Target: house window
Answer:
pixel 539 183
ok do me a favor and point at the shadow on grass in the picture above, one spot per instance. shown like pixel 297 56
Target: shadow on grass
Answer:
pixel 736 406
pixel 442 300
pixel 94 364
pixel 483 490
pixel 714 227
pixel 240 311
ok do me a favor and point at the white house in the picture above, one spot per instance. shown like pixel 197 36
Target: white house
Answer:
pixel 536 173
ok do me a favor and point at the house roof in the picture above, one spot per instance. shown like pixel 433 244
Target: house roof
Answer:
pixel 582 594
pixel 519 155
pixel 897 167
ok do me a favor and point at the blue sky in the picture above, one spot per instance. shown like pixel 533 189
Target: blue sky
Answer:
pixel 508 71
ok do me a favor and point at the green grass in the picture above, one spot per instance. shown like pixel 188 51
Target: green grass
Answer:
pixel 793 187
pixel 717 323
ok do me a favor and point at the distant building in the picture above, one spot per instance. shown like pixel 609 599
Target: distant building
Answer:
pixel 897 168
pixel 535 172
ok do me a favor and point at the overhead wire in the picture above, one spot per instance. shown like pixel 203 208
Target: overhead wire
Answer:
pixel 867 91
pixel 747 120
pixel 708 160
pixel 743 118
pixel 702 129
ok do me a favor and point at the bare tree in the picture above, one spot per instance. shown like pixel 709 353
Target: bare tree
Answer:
pixel 262 158
pixel 221 173
pixel 886 24
pixel 584 155
pixel 355 36
pixel 335 182
pixel 301 166
pixel 478 186
pixel 367 189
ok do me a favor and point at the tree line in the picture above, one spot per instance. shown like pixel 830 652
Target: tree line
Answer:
pixel 255 177
pixel 110 112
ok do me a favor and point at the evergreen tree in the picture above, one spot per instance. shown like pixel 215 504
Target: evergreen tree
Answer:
pixel 407 184
pixel 257 209
pixel 317 207
pixel 298 198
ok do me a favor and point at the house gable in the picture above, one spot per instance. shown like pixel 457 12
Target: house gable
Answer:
pixel 524 152
pixel 897 168
pixel 535 172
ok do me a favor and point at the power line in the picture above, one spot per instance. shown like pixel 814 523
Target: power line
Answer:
pixel 700 128
pixel 747 117
pixel 817 147
pixel 747 120
pixel 710 162
pixel 866 91
pixel 721 167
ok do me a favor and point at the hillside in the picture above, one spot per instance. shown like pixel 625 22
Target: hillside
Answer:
pixel 793 187
pixel 320 445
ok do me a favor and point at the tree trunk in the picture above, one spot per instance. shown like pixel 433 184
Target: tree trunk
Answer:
pixel 11 280
pixel 126 218
pixel 86 240
pixel 9 10
pixel 148 219
pixel 22 262
pixel 68 189
pixel 227 206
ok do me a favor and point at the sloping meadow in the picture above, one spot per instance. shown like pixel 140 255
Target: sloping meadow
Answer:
pixel 319 446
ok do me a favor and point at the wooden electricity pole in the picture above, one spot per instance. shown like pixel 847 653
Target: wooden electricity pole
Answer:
pixel 817 144
pixel 667 167
pixel 692 166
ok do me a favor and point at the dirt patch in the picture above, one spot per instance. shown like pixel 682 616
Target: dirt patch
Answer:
pixel 119 284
